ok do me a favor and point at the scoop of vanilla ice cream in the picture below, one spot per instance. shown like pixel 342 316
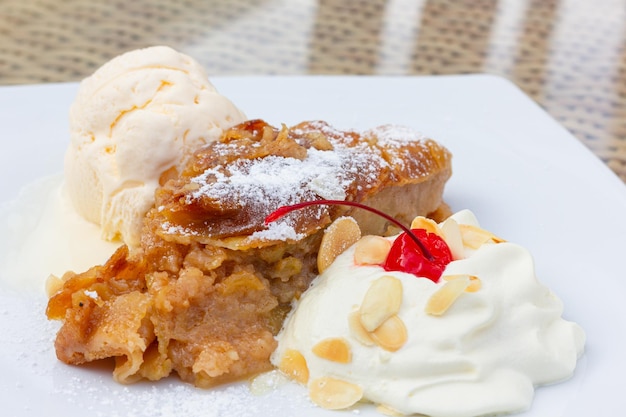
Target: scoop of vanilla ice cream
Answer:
pixel 483 355
pixel 138 116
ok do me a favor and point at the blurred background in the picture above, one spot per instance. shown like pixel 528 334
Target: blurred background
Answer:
pixel 568 55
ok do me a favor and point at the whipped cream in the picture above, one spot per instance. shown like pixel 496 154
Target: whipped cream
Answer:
pixel 484 355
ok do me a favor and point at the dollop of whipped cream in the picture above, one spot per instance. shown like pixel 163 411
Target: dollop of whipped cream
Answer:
pixel 481 350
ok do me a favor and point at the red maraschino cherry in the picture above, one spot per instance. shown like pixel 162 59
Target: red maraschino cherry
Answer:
pixel 404 257
pixel 416 251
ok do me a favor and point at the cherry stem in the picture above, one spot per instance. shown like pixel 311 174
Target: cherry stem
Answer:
pixel 282 211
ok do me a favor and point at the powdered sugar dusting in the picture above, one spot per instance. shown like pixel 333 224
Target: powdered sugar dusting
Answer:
pixel 278 178
pixel 394 135
pixel 336 164
pixel 279 230
pixel 102 399
pixel 395 139
pixel 173 229
pixel 38 384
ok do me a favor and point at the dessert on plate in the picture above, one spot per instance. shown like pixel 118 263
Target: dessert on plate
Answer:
pixel 249 246
pixel 211 283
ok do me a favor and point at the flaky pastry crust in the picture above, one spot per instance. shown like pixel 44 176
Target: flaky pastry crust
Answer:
pixel 211 283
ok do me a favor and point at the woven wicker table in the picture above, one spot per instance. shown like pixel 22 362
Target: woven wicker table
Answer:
pixel 569 56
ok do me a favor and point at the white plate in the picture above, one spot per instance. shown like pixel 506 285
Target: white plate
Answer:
pixel 525 177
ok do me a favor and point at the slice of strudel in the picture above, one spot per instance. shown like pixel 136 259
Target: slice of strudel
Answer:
pixel 211 283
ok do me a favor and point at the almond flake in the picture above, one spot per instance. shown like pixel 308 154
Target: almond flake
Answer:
pixel 388 411
pixel 391 335
pixel 427 224
pixel 358 331
pixel 445 296
pixel 294 366
pixel 382 300
pixel 452 235
pixel 474 237
pixel 333 349
pixel 338 237
pixel 474 285
pixel 334 394
pixel 371 250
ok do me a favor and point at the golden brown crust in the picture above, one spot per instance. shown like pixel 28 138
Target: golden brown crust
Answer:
pixel 220 196
pixel 211 283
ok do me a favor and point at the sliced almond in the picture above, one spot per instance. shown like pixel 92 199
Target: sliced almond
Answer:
pixel 338 237
pixel 357 330
pixel 382 300
pixel 474 237
pixel 334 349
pixel 388 411
pixel 371 250
pixel 391 335
pixel 474 285
pixel 445 296
pixel 294 366
pixel 427 224
pixel 452 235
pixel 334 394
